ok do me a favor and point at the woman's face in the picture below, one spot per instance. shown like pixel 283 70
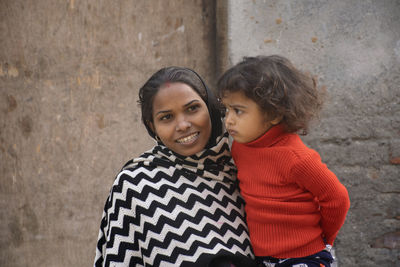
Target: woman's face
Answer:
pixel 181 119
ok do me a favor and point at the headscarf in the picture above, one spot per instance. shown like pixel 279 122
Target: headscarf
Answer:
pixel 165 209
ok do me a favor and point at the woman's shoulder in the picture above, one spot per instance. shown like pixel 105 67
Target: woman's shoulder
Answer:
pixel 135 167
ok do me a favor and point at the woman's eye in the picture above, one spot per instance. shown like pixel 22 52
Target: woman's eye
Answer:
pixel 165 117
pixel 193 108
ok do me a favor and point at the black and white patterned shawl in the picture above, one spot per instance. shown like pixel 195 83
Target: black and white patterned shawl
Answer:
pixel 169 210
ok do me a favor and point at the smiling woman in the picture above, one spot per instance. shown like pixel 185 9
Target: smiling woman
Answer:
pixel 177 204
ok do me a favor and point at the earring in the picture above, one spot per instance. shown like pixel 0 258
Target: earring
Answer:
pixel 157 138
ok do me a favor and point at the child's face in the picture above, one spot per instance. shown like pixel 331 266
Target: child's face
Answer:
pixel 244 119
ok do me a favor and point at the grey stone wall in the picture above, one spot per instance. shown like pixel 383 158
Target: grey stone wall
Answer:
pixel 69 77
pixel 353 47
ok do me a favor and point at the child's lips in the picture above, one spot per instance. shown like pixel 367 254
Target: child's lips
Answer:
pixel 232 132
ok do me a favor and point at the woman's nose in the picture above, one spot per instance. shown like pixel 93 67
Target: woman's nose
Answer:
pixel 183 125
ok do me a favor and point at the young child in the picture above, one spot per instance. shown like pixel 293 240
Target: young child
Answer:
pixel 295 205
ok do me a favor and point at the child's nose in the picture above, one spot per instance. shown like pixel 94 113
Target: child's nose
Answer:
pixel 228 119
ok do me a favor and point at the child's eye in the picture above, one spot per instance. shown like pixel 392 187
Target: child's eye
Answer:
pixel 224 111
pixel 238 111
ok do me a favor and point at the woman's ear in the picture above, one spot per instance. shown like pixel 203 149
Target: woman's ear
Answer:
pixel 277 120
pixel 151 126
pixel 153 129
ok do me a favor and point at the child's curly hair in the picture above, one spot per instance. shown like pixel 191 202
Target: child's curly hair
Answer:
pixel 277 87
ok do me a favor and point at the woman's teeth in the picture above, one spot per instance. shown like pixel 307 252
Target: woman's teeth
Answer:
pixel 188 139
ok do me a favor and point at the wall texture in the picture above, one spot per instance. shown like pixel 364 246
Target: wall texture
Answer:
pixel 353 47
pixel 69 77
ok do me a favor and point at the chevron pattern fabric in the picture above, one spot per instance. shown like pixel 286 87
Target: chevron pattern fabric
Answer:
pixel 169 210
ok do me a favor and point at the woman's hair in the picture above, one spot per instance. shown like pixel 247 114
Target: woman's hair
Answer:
pixel 182 75
pixel 277 87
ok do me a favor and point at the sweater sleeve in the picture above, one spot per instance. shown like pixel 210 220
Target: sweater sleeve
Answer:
pixel 314 176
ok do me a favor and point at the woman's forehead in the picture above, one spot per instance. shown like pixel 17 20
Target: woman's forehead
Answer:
pixel 174 95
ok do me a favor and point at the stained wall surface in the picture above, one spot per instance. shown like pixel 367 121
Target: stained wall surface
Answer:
pixel 353 47
pixel 69 76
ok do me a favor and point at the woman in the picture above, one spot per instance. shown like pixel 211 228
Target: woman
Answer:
pixel 177 204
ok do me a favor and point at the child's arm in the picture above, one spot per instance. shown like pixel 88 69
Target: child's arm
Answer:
pixel 314 176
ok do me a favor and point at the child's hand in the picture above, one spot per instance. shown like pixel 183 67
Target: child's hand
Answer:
pixel 328 248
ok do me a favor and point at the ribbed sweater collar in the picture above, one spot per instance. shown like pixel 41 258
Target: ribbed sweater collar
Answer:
pixel 270 138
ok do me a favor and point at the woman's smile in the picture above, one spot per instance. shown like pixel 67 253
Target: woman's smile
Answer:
pixel 188 139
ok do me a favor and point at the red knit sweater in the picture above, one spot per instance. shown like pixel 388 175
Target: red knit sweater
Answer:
pixel 293 201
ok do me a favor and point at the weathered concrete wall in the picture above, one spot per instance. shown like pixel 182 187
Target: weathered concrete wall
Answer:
pixel 354 49
pixel 69 77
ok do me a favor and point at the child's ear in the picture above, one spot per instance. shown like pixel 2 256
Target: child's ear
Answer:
pixel 277 120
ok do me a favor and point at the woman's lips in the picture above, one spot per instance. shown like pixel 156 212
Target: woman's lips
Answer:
pixel 188 139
